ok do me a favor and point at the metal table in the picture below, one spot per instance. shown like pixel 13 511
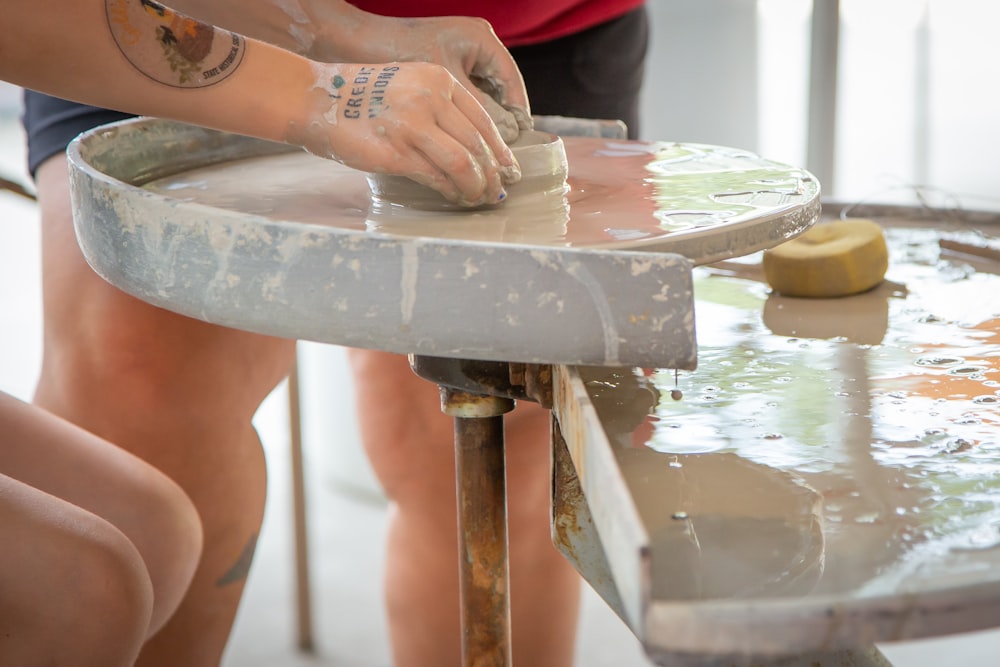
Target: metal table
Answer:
pixel 828 480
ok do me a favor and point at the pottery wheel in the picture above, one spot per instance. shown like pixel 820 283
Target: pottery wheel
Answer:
pixel 249 234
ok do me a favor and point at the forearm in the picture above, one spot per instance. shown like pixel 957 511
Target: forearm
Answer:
pixel 112 57
pixel 337 31
pixel 323 30
pixel 411 119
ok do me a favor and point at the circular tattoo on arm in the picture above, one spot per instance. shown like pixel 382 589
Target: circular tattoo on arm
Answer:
pixel 171 48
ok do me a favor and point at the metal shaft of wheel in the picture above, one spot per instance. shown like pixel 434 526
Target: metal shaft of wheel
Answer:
pixel 482 527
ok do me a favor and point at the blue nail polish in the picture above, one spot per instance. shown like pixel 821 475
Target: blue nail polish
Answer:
pixel 503 195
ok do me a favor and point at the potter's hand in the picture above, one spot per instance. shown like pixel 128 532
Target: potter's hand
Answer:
pixel 470 50
pixel 335 31
pixel 409 119
pixel 467 46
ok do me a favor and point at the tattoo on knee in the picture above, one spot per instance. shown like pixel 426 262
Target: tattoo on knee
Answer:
pixel 238 572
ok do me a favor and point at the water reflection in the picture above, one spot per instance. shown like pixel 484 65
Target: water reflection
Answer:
pixel 696 507
pixel 885 406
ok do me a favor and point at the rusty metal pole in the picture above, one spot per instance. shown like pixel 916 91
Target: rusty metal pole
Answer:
pixel 481 487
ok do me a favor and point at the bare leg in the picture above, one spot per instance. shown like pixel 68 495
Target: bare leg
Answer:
pixel 411 446
pixel 77 468
pixel 75 590
pixel 177 393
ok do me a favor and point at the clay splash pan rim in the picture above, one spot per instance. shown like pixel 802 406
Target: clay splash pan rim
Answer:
pixel 541 156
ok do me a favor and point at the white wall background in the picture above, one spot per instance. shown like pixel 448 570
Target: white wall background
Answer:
pixel 701 80
pixel 917 98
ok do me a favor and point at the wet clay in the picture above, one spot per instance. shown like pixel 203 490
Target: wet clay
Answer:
pixel 540 155
pixel 706 202
pixel 839 447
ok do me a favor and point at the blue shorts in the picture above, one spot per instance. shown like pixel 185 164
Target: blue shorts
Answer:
pixel 596 73
pixel 51 123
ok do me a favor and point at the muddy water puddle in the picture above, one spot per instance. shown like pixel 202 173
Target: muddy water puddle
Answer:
pixel 843 446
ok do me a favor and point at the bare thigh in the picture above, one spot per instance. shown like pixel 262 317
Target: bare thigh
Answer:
pixel 134 357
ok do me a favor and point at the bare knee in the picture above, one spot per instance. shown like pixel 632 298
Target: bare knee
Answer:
pixel 409 441
pixel 168 536
pixel 112 577
pixel 79 593
pixel 402 422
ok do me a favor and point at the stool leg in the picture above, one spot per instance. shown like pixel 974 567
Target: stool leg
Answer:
pixel 303 600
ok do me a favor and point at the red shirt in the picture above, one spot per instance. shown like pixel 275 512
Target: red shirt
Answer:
pixel 516 22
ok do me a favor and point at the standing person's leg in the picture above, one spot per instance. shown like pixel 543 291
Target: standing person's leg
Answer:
pixel 177 393
pixel 411 445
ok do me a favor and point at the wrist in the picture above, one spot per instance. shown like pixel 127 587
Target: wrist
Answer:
pixel 273 91
pixel 344 33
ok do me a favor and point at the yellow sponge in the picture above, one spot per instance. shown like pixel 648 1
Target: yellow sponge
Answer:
pixel 831 259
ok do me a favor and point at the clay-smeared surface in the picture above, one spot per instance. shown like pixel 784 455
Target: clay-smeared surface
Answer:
pixel 289 249
pixel 705 202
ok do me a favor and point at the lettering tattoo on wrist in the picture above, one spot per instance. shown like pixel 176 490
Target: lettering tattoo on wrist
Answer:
pixel 171 48
pixel 366 93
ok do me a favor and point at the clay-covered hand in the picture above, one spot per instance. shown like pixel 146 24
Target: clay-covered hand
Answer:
pixel 466 46
pixel 471 51
pixel 408 119
pixel 335 31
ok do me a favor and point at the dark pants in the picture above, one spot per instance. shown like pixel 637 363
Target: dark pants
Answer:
pixel 596 73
